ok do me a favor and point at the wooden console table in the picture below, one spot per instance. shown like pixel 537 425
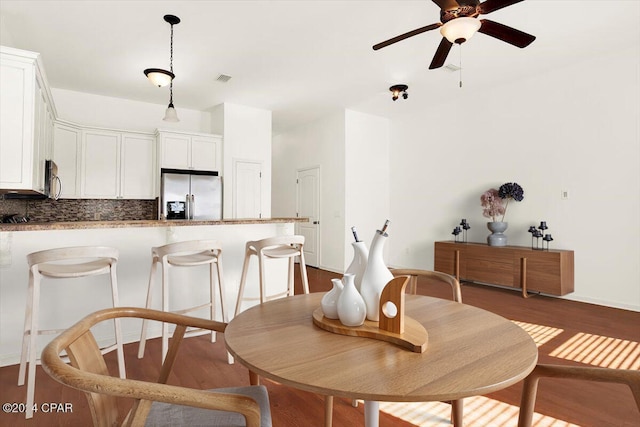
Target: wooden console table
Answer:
pixel 549 272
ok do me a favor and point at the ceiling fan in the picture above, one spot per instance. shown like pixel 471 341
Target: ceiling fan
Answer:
pixel 459 21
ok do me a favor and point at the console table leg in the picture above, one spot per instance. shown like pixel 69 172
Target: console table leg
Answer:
pixel 523 277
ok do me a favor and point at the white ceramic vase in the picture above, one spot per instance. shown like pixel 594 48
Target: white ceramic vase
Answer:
pixel 358 263
pixel 329 301
pixel 376 276
pixel 351 307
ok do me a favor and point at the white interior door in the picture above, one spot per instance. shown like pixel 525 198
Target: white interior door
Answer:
pixel 247 189
pixel 308 204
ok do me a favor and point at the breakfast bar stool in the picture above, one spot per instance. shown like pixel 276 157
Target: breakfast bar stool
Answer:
pixel 185 254
pixel 63 263
pixel 273 247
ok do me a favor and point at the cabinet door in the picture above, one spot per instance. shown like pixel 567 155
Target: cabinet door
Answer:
pixel 17 80
pixel 100 165
pixel 204 153
pixel 137 162
pixel 66 154
pixel 176 151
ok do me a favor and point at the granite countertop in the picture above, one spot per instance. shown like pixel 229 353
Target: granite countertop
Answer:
pixel 79 225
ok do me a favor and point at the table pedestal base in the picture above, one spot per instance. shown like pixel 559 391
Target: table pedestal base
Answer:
pixel 371 413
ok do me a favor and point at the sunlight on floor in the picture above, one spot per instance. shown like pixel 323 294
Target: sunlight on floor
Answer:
pixel 600 351
pixel 540 334
pixel 478 412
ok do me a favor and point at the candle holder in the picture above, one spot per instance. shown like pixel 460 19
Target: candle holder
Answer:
pixel 538 233
pixel 464 226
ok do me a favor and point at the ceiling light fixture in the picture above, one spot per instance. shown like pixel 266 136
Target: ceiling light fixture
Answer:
pixel 396 90
pixel 160 77
pixel 459 30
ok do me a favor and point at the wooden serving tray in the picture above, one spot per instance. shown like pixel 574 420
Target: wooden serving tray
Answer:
pixel 414 338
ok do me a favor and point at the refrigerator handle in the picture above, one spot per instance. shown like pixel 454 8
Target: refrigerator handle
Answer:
pixel 187 207
pixel 192 211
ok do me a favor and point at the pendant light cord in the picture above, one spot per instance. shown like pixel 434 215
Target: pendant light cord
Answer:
pixel 460 65
pixel 171 68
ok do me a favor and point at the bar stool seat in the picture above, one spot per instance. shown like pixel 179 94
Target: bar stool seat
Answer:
pixel 185 254
pixel 273 247
pixel 63 263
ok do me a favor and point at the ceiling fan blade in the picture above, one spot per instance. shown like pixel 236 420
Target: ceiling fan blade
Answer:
pixel 406 35
pixel 493 5
pixel 506 34
pixel 441 54
pixel 446 4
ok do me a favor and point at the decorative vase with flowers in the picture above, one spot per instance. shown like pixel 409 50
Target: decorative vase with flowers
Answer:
pixel 494 206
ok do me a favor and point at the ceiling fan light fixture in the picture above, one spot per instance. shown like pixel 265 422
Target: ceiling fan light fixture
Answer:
pixel 397 90
pixel 158 76
pixel 461 29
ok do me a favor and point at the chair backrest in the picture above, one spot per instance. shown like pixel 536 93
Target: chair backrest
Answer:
pixel 88 371
pixel 622 376
pixel 72 253
pixel 431 275
pixel 270 242
pixel 187 247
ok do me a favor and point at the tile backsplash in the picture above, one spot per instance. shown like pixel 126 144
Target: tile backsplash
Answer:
pixel 81 210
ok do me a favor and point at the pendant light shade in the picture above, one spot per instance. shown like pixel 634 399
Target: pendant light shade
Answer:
pixel 171 115
pixel 459 30
pixel 158 76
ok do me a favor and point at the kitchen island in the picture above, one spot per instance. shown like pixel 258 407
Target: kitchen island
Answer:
pixel 64 302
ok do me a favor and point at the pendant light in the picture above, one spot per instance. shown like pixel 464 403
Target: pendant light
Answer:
pixel 160 77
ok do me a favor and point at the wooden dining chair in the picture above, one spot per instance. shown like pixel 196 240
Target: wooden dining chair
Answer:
pixel 457 406
pixel 436 276
pixel 155 403
pixel 529 391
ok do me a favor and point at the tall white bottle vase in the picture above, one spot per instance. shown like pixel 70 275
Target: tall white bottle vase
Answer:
pixel 359 262
pixel 376 276
pixel 329 302
pixel 351 307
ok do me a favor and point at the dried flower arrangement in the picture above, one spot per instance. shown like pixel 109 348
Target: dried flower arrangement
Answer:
pixel 492 200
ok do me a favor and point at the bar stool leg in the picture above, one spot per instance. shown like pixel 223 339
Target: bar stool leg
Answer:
pixel 303 273
pixel 261 279
pixel 143 333
pixel 33 350
pixel 212 298
pixel 116 325
pixel 243 280
pixel 26 334
pixel 290 278
pixel 165 307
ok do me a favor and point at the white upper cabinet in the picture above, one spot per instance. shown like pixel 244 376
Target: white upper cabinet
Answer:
pixel 190 151
pixel 67 154
pixel 137 166
pixel 26 121
pixel 117 165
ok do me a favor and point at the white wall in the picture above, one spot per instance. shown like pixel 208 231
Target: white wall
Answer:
pixel 117 113
pixel 574 129
pixel 247 137
pixel 320 143
pixel 352 150
pixel 366 178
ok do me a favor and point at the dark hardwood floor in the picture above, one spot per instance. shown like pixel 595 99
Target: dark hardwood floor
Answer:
pixel 567 332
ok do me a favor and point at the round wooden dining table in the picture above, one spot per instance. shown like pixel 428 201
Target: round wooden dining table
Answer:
pixel 469 352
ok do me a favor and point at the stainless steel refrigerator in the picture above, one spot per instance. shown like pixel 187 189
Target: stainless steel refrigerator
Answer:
pixel 190 195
